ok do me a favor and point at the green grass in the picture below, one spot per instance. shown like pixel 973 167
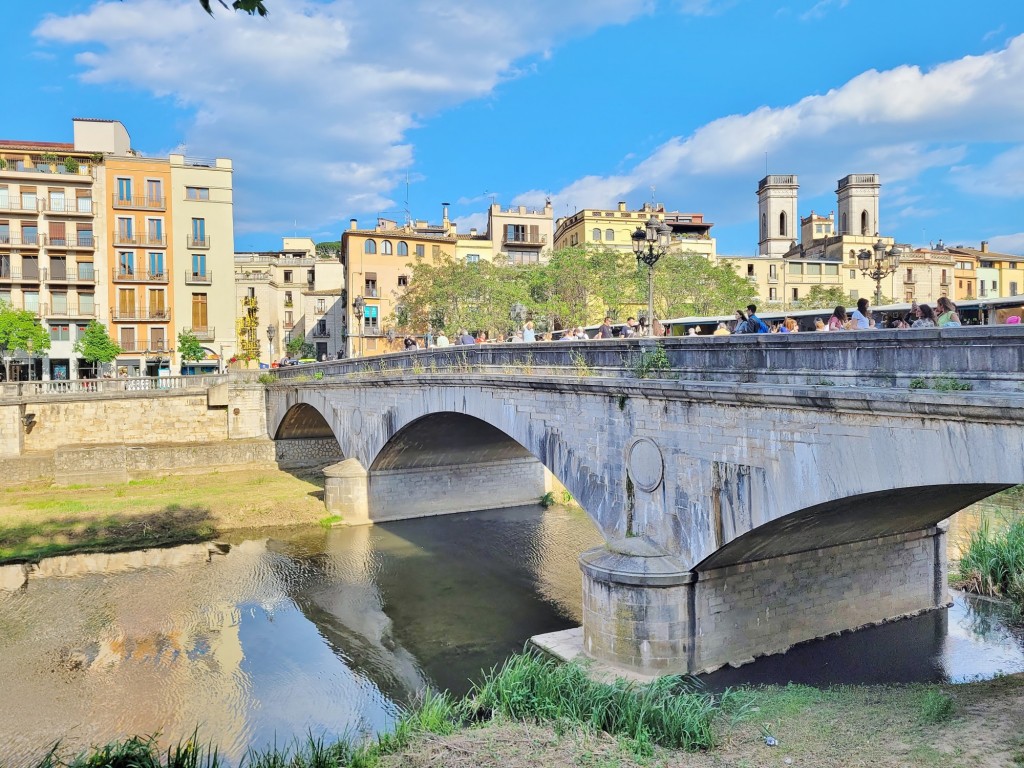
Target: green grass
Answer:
pixel 993 562
pixel 330 520
pixel 936 706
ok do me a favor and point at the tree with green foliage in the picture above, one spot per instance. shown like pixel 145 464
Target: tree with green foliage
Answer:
pixel 96 346
pixel 299 348
pixel 820 297
pixel 20 331
pixel 690 284
pixel 189 347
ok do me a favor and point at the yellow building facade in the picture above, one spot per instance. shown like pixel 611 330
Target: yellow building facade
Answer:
pixel 614 228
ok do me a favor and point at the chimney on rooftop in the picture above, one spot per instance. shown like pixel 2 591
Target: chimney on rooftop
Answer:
pixel 622 206
pixel 984 246
pixel 472 231
pixel 353 224
pixel 444 215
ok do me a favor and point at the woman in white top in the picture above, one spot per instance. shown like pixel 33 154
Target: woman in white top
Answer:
pixel 528 333
pixel 860 317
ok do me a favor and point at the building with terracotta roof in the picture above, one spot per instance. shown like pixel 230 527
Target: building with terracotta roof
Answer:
pixel 999 275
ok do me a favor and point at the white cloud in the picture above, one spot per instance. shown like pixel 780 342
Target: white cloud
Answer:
pixel 1008 243
pixel 1002 177
pixel 820 9
pixel 314 104
pixel 898 123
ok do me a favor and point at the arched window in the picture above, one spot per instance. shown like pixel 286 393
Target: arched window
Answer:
pixel 597 234
pixel 764 227
pixel 844 226
pixel 782 224
pixel 403 248
pixel 865 229
pixel 370 246
pixel 385 248
pixel 609 234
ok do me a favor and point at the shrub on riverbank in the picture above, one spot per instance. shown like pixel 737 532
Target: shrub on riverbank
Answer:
pixel 993 563
pixel 672 712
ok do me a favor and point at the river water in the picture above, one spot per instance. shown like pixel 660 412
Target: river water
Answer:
pixel 266 638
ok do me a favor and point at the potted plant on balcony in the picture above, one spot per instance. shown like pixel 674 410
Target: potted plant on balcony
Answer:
pixel 71 165
pixel 48 161
pixel 3 163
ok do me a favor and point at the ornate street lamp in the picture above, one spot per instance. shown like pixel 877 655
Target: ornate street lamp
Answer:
pixel 29 346
pixel 271 332
pixel 650 243
pixel 879 265
pixel 358 305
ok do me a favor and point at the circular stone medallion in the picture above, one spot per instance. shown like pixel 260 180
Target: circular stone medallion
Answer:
pixel 645 465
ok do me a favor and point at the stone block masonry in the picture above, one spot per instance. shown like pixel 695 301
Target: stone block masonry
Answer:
pixel 698 622
pixel 403 493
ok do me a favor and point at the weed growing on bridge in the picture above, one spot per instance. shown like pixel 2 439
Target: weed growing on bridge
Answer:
pixel 547 500
pixel 579 362
pixel 417 367
pixel 918 383
pixel 942 384
pixel 267 378
pixel 318 375
pixel 652 362
pixel 993 563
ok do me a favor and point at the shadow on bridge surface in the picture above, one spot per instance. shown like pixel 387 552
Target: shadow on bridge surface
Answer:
pixel 844 521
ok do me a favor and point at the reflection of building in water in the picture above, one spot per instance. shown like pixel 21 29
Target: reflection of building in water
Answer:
pixel 146 642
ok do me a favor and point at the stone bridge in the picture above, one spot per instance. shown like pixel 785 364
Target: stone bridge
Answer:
pixel 753 491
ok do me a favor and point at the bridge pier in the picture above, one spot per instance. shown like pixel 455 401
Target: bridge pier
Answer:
pixel 346 492
pixel 645 613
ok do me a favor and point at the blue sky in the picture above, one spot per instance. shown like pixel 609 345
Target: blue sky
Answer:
pixel 329 106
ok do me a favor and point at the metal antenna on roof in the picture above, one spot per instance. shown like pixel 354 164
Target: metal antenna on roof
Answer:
pixel 408 213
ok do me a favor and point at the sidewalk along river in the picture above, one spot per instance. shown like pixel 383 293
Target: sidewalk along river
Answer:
pixel 266 638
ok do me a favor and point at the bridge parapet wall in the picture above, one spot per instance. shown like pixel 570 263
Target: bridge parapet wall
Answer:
pixel 987 357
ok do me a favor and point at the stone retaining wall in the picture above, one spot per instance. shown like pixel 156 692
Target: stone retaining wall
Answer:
pixel 307 452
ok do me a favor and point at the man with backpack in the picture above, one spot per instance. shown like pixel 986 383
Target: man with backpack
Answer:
pixel 754 323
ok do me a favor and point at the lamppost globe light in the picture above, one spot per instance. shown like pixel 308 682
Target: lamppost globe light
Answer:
pixel 359 304
pixel 650 243
pixel 878 263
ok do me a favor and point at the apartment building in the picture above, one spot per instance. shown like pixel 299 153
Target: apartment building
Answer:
pixel 998 275
pixel 288 294
pixel 49 193
pixel 614 228
pixel 91 229
pixel 376 266
pixel 520 235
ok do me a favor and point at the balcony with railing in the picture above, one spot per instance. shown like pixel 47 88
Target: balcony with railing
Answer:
pixel 198 242
pixel 20 241
pixel 139 202
pixel 523 238
pixel 81 206
pixel 145 239
pixel 203 333
pixel 123 275
pixel 135 314
pixel 198 278
pixel 909 279
pixel 77 242
pixel 320 333
pixel 69 310
pixel 18 204
pixel 12 275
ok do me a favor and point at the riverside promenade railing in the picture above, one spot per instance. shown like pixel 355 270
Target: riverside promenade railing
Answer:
pixel 980 358
pixel 29 390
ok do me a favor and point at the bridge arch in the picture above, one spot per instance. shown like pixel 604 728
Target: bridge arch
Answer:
pixel 304 438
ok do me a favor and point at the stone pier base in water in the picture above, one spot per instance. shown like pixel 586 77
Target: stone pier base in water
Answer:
pixel 644 614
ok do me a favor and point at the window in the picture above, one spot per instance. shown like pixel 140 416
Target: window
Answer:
pixel 813 269
pixel 287 276
pixel 853 274
pixel 764 227
pixel 125 263
pixel 830 269
pixel 86 271
pixel 154 193
pixel 865 228
pixel 199 315
pixel 124 190
pixel 385 248
pixel 29 234
pixel 128 339
pixel 199 232
pixel 197 193
pixel 370 317
pixel 57 233
pixel 609 234
pixel 311 276
pixel 420 250
pixel 403 280
pixel 60 332
pixel 782 224
pixel 288 298
pixel 773 272
pixel 125 225
pixel 126 302
pixel 597 235
pixel 796 294
pixel 1013 289
pixel 370 287
pixel 403 248
pixel 157 305
pixel 85 236
pixel 321 306
pixel 844 226
pixel 156 264
pixel 943 279
pixel 961 285
pixel 87 303
pixel 435 251
pixel 80 330
pixel 472 258
pixel 155 231
pixel 773 294
pixel 59 303
pixel 157 339
pixel 289 320
pixel 750 270
pixel 57 200
pixel 796 269
pixel 370 247
pixel 199 266
pixel 523 257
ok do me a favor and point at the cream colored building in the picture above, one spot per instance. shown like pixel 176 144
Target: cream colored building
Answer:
pixel 999 275
pixel 521 235
pixel 288 294
pixel 614 228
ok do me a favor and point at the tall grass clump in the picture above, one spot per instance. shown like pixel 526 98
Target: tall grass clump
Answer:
pixel 993 563
pixel 671 711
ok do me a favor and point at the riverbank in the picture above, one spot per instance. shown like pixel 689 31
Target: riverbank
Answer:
pixel 38 520
pixel 977 724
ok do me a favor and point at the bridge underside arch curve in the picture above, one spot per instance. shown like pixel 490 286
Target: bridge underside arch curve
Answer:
pixel 448 461
pixel 863 517
pixel 304 438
